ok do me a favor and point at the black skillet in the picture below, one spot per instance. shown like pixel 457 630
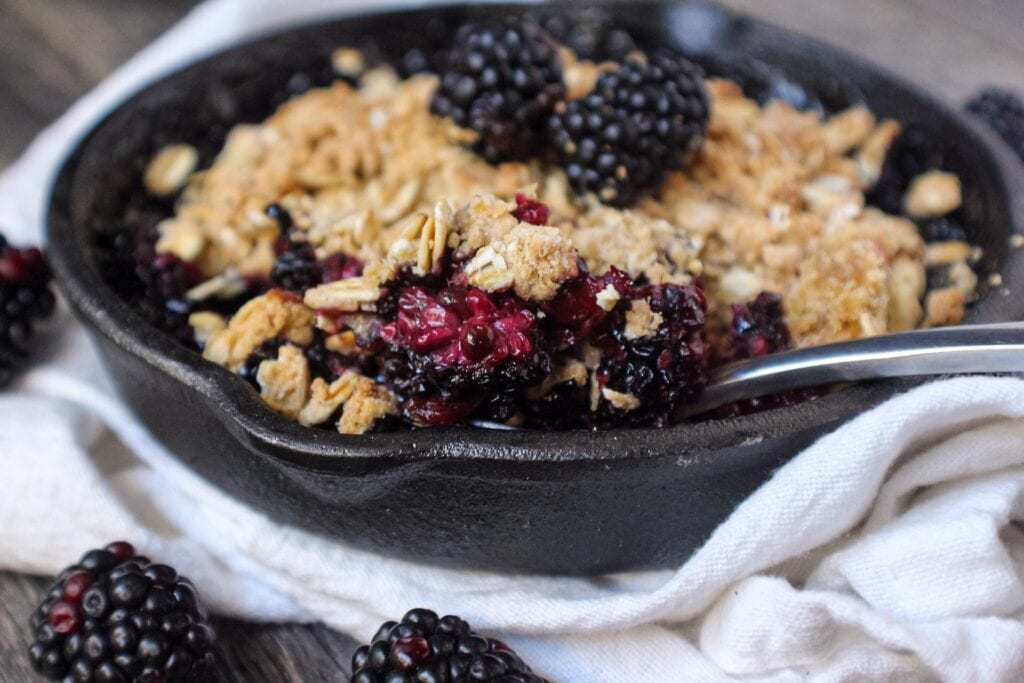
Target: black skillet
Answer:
pixel 568 502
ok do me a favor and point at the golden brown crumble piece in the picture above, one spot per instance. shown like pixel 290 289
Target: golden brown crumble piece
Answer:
pixel 206 324
pixel 871 155
pixel 848 129
pixel 620 400
pixel 368 403
pixel 641 321
pixel 274 314
pixel 539 259
pixel 325 399
pixel 945 306
pixel 933 194
pixel 170 169
pixel 284 382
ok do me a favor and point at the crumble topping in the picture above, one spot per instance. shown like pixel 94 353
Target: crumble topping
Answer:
pixel 284 383
pixel 933 194
pixel 170 169
pixel 325 399
pixel 206 324
pixel 620 400
pixel 275 314
pixel 641 321
pixel 368 403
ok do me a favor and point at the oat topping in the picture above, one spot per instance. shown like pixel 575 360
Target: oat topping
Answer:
pixel 620 400
pixel 170 168
pixel 266 317
pixel 325 399
pixel 641 321
pixel 933 194
pixel 368 403
pixel 284 383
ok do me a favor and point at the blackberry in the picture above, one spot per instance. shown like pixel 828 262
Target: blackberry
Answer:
pixel 423 648
pixel 591 33
pixel 913 152
pixel 25 299
pixel 116 616
pixel 502 81
pixel 1003 111
pixel 641 121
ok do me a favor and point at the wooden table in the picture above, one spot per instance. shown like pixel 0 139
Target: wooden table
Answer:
pixel 52 51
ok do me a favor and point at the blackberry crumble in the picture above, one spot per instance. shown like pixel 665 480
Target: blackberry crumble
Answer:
pixel 532 238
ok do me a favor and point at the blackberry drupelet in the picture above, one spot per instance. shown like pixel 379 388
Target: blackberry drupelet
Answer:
pixel 502 81
pixel 25 299
pixel 914 152
pixel 116 616
pixel 1003 111
pixel 641 121
pixel 423 648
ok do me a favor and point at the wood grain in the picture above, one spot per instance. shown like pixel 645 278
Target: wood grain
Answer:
pixel 53 51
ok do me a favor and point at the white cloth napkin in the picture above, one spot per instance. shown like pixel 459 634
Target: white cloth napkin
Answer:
pixel 891 550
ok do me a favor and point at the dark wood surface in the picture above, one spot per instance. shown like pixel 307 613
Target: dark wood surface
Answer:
pixel 52 51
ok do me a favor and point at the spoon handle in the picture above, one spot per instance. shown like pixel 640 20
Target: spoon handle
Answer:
pixel 945 350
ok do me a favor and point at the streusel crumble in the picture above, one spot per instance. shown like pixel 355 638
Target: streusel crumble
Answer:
pixel 539 240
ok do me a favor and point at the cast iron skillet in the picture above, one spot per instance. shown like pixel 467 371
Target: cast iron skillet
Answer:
pixel 565 503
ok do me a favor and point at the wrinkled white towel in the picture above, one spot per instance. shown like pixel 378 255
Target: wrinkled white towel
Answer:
pixel 891 550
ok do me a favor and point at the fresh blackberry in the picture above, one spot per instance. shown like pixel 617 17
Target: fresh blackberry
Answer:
pixel 1003 111
pixel 423 648
pixel 116 616
pixel 640 121
pixel 502 81
pixel 25 299
pixel 915 151
pixel 591 33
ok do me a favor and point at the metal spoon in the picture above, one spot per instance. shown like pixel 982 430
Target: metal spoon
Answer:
pixel 958 350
